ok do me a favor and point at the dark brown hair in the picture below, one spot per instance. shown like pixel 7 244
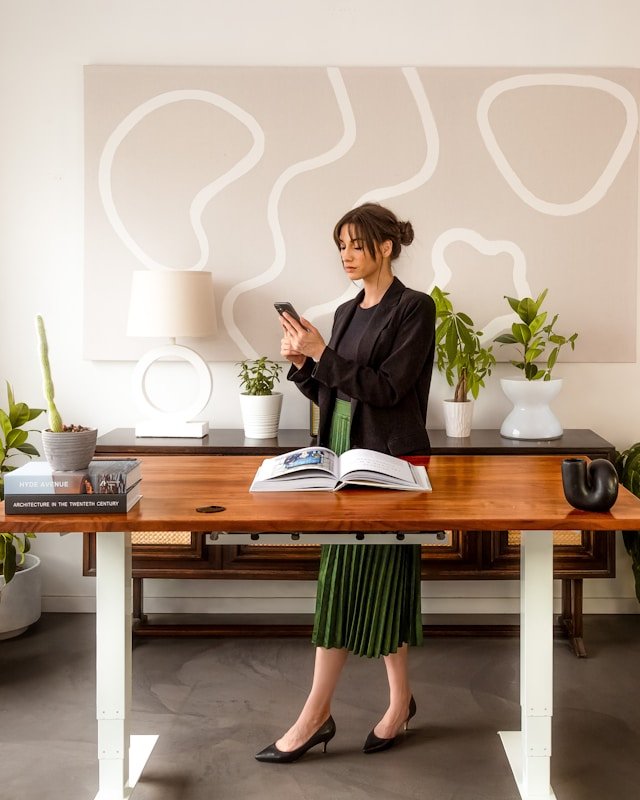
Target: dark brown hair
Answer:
pixel 374 224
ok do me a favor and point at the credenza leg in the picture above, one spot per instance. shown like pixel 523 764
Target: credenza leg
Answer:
pixel 116 777
pixel 138 601
pixel 571 617
pixel 577 640
pixel 529 750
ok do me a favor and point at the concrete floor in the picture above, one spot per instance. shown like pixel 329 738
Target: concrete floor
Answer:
pixel 216 702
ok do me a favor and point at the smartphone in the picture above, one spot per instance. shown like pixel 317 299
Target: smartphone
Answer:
pixel 282 307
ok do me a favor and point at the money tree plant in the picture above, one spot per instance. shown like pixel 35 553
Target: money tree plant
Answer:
pixel 460 356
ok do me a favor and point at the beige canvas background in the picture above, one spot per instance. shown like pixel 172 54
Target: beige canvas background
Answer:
pixel 243 171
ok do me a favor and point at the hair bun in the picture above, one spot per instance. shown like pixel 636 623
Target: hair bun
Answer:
pixel 375 224
pixel 405 230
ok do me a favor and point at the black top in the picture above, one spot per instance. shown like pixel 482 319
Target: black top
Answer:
pixel 348 345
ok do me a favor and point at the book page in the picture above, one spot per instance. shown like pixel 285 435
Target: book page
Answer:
pixel 372 461
pixel 306 460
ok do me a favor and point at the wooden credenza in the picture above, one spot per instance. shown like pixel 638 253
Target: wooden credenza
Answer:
pixel 473 555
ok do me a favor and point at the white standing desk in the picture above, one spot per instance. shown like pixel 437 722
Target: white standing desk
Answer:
pixel 469 493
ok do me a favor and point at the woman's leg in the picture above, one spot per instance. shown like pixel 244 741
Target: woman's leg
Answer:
pixel 399 694
pixel 328 666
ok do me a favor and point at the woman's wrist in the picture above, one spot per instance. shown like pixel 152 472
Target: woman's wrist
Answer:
pixel 317 355
pixel 298 363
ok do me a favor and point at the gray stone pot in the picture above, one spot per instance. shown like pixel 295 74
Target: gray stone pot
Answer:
pixel 69 449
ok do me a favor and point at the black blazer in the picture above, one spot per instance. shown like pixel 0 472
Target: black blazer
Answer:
pixel 388 381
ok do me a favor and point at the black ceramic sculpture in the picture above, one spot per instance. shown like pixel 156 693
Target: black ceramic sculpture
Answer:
pixel 590 486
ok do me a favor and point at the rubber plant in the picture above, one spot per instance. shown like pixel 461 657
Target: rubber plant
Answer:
pixel 628 468
pixel 460 356
pixel 13 442
pixel 533 337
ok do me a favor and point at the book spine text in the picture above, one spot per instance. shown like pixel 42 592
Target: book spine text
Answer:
pixel 65 504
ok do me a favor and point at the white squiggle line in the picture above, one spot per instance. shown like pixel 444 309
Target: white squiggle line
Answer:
pixel 246 163
pixel 488 247
pixel 333 154
pixel 610 172
pixel 431 137
pixel 385 192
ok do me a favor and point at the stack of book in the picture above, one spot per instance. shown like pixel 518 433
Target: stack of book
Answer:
pixel 105 486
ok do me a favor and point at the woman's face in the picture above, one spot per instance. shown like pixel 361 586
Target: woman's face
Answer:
pixel 357 261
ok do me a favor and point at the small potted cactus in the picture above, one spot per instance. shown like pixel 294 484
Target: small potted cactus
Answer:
pixel 66 447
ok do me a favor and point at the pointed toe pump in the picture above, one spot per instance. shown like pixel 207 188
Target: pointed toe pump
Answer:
pixel 323 735
pixel 374 744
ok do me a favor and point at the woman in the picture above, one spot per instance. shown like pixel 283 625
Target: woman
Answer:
pixel 371 383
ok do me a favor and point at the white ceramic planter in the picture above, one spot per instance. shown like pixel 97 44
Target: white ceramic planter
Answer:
pixel 457 418
pixel 261 415
pixel 531 417
pixel 21 600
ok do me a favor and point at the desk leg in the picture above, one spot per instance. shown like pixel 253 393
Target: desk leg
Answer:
pixel 121 757
pixel 529 750
pixel 113 663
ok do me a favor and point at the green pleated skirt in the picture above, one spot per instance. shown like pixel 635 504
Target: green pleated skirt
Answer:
pixel 368 598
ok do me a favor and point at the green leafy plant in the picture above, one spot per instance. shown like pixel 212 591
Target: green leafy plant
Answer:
pixel 628 468
pixel 459 354
pixel 13 442
pixel 532 337
pixel 259 376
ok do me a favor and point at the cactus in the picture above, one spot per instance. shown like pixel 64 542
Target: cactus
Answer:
pixel 55 420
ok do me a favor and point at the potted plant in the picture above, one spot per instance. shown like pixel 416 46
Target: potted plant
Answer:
pixel 628 469
pixel 20 592
pixel 535 340
pixel 65 446
pixel 463 360
pixel 259 404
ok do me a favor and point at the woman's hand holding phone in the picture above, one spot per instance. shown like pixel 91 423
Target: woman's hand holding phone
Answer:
pixel 301 338
pixel 286 348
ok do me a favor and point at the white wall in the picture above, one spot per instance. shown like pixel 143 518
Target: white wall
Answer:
pixel 43 45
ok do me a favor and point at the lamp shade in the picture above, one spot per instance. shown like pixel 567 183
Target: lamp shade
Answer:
pixel 171 303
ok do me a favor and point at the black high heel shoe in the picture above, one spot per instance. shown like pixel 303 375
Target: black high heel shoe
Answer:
pixel 324 734
pixel 375 744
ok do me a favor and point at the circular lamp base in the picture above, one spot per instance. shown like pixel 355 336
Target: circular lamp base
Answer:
pixel 172 423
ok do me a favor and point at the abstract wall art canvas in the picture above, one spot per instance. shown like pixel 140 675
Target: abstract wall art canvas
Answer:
pixel 515 180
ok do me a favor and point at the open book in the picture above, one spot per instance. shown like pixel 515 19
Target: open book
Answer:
pixel 318 468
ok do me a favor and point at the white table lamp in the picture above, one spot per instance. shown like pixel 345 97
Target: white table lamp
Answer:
pixel 172 304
